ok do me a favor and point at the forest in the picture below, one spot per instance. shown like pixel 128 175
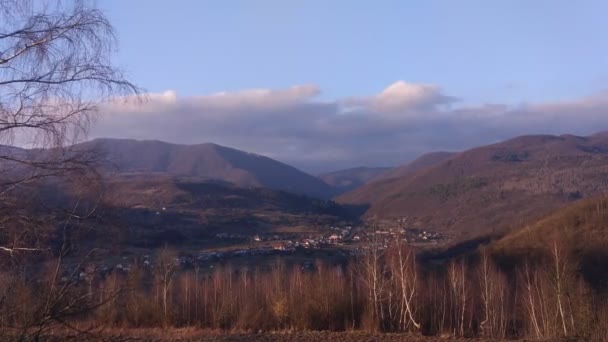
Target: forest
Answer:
pixel 383 290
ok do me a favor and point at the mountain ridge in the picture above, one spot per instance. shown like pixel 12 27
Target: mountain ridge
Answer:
pixel 419 163
pixel 351 178
pixel 474 191
pixel 208 161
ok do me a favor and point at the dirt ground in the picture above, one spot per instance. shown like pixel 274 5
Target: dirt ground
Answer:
pixel 194 335
pixel 302 336
pixel 328 336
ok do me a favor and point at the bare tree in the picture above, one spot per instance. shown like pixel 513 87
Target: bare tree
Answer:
pixel 403 269
pixel 457 277
pixel 56 72
pixel 493 298
pixel 535 301
pixel 562 279
pixel 165 270
pixel 372 270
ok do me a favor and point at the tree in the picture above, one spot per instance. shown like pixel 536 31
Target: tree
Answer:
pixel 562 279
pixel 404 273
pixel 457 278
pixel 373 272
pixel 56 71
pixel 493 295
pixel 165 271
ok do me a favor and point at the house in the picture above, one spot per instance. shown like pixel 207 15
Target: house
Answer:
pixel 277 246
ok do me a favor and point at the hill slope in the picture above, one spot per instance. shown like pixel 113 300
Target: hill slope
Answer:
pixel 580 231
pixel 150 210
pixel 208 206
pixel 579 226
pixel 207 161
pixel 493 187
pixel 424 161
pixel 349 179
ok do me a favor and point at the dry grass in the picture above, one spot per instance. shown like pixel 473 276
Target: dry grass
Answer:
pixel 204 335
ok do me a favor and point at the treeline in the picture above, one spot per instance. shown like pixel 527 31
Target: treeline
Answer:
pixel 384 290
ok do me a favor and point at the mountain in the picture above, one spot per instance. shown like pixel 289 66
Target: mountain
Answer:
pixel 422 162
pixel 152 204
pixel 151 210
pixel 206 161
pixel 494 187
pixel 580 231
pixel 349 179
pixel 578 227
pixel 153 191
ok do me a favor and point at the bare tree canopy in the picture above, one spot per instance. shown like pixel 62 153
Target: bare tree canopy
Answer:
pixel 55 71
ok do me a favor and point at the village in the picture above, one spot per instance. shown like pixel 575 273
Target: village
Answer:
pixel 345 241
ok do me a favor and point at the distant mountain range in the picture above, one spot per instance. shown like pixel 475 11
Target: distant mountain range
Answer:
pixel 516 197
pixel 490 188
pixel 487 189
pixel 350 179
pixel 207 162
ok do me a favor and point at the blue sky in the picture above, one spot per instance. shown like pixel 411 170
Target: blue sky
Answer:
pixel 348 83
pixel 481 51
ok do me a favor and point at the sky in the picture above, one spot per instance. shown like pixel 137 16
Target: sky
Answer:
pixel 324 85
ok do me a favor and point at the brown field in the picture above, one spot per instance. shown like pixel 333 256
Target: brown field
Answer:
pixel 191 335
pixel 310 336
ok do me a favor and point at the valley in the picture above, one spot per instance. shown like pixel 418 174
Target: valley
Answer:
pixel 310 171
pixel 442 209
pixel 151 199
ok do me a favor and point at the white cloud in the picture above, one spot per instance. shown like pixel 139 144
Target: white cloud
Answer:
pixel 143 103
pixel 388 128
pixel 402 96
pixel 261 99
pixel 258 98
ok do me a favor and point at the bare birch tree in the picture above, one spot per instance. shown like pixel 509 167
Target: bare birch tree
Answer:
pixel 494 298
pixel 563 280
pixel 372 271
pixel 56 71
pixel 457 277
pixel 165 270
pixel 404 273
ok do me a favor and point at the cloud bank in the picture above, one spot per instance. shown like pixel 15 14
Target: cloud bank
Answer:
pixel 388 128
